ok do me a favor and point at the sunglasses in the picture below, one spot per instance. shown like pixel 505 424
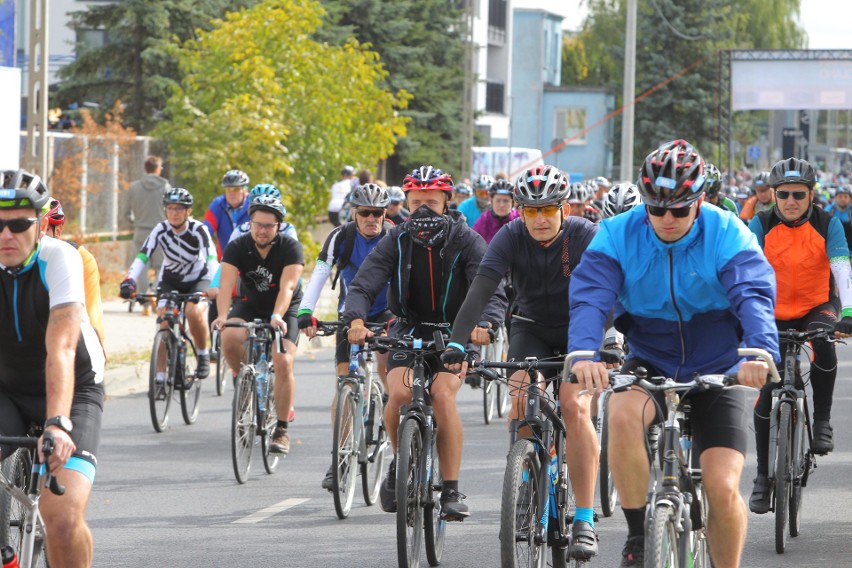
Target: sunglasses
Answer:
pixel 264 226
pixel 784 194
pixel 19 225
pixel 377 213
pixel 678 213
pixel 547 211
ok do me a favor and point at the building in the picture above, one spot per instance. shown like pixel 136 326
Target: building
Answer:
pixel 492 69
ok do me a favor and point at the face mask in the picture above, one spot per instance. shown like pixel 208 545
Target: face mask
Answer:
pixel 427 228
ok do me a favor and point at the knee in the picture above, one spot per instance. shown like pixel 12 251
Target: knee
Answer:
pixel 443 401
pixel 575 409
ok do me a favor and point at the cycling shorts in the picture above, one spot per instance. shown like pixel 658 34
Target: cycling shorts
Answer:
pixel 167 286
pixel 19 412
pixel 341 352
pixel 425 332
pixel 531 339
pixel 247 312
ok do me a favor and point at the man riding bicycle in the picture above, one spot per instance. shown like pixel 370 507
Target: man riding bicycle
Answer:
pixel 689 285
pixel 188 265
pixel 430 260
pixel 269 266
pixel 540 251
pixel 51 361
pixel 808 250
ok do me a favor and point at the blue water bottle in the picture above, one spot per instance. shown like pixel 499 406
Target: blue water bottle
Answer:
pixel 262 382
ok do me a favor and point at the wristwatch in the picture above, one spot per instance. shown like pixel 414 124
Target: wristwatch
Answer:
pixel 61 422
pixel 485 324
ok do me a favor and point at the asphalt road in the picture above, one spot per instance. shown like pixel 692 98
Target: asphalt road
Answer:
pixel 171 499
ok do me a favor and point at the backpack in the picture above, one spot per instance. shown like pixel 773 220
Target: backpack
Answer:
pixel 348 233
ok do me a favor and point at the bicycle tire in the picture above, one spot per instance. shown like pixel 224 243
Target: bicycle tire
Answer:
pixel 190 393
pixel 160 394
pixel 798 467
pixel 344 451
pixel 435 527
pixel 243 424
pixel 519 509
pixel 17 468
pixel 783 473
pixel 699 547
pixel 609 494
pixel 489 400
pixel 267 420
pixel 376 442
pixel 221 372
pixel 409 509
pixel 661 540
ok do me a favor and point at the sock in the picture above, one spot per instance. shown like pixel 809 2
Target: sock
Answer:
pixel 450 486
pixel 283 424
pixel 635 521
pixel 202 352
pixel 161 377
pixel 585 514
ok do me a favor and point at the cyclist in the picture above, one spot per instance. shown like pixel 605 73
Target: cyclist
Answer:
pixel 689 285
pixel 473 207
pixel 841 210
pixel 269 267
pixel 577 198
pixel 461 191
pixel 600 186
pixel 265 189
pixel 228 211
pixel 52 223
pixel 540 251
pixel 501 212
pixel 620 198
pixel 430 261
pixel 396 213
pixel 51 363
pixel 713 190
pixel 808 250
pixel 762 199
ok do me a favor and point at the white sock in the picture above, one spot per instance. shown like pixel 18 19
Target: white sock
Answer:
pixel 203 351
pixel 161 377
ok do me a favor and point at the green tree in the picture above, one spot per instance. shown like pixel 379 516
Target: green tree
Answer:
pixel 259 93
pixel 135 65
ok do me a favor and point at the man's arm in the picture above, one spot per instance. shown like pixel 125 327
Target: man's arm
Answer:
pixel 227 280
pixel 287 285
pixel 63 333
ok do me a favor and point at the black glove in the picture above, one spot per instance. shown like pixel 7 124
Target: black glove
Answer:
pixel 306 321
pixel 844 325
pixel 452 355
pixel 127 288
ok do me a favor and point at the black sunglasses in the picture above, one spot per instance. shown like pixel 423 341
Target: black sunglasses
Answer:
pixel 377 213
pixel 19 225
pixel 785 194
pixel 677 213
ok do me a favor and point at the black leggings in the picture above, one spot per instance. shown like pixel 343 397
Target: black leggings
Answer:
pixel 822 377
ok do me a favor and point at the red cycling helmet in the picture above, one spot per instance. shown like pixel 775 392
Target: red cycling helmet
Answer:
pixel 427 178
pixel 55 215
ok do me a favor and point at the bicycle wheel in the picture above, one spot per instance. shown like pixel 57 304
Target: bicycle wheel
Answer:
pixel 344 456
pixel 699 548
pixel 376 442
pixel 190 393
pixel 661 538
pixel 163 362
pixel 435 526
pixel 221 372
pixel 489 400
pixel 800 465
pixel 243 424
pixel 783 475
pixel 609 495
pixel 267 421
pixel 17 468
pixel 409 509
pixel 519 509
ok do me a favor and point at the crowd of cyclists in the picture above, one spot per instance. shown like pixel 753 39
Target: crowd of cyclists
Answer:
pixel 674 271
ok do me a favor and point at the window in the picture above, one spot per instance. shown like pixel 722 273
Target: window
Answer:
pixel 494 95
pixel 569 122
pixel 497 14
pixel 90 39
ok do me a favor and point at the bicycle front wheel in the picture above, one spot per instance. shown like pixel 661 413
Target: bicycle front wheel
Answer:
pixel 221 372
pixel 800 467
pixel 519 511
pixel 409 509
pixel 190 393
pixel 344 457
pixel 661 539
pixel 783 476
pixel 161 378
pixel 376 442
pixel 243 424
pixel 609 495
pixel 17 468
pixel 267 420
pixel 435 526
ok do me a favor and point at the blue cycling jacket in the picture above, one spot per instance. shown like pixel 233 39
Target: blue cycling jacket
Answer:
pixel 685 306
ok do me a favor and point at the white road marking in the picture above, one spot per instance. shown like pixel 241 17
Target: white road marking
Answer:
pixel 264 514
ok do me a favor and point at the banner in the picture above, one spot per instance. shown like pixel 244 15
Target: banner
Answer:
pixel 791 84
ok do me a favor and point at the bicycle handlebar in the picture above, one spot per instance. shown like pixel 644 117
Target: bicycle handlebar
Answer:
pixel 31 443
pixel 257 324
pixel 330 327
pixel 407 343
pixel 804 336
pixel 193 297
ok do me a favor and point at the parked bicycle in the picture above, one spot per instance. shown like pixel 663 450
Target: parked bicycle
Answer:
pixel 173 361
pixel 21 478
pixel 254 412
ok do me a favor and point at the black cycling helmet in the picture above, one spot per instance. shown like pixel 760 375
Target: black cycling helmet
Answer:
pixel 369 195
pixel 20 189
pixel 269 204
pixel 792 170
pixel 235 178
pixel 761 179
pixel 178 196
pixel 713 183
pixel 541 185
pixel 672 176
pixel 620 198
pixel 500 187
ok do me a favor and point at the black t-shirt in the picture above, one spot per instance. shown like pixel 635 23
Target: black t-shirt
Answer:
pixel 260 277
pixel 426 287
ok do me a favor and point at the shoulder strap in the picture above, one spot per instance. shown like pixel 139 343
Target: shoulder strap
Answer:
pixel 347 235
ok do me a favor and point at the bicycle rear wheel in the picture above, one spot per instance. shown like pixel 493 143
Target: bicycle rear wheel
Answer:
pixel 409 509
pixel 435 526
pixel 519 511
pixel 783 476
pixel 243 424
pixel 267 420
pixel 221 372
pixel 661 539
pixel 344 457
pixel 164 363
pixel 376 442
pixel 609 495
pixel 190 394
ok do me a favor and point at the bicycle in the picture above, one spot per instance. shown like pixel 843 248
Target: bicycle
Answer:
pixel 173 362
pixel 21 475
pixel 418 473
pixel 359 439
pixel 495 394
pixel 790 436
pixel 537 502
pixel 254 412
pixel 221 365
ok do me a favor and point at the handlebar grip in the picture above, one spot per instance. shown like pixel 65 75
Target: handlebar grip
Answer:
pixel 47 448
pixel 279 338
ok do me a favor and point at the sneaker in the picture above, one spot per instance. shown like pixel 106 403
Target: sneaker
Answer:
pixel 452 506
pixel 584 541
pixel 203 369
pixel 328 480
pixel 387 492
pixel 633 553
pixel 280 441
pixel 823 437
pixel 759 502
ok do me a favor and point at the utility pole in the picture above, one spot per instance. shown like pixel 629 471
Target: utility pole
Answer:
pixel 469 85
pixel 627 171
pixel 35 157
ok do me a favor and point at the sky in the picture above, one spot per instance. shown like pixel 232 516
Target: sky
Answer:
pixel 826 22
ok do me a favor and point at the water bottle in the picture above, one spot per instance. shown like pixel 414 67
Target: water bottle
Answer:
pixel 262 382
pixel 554 472
pixel 10 559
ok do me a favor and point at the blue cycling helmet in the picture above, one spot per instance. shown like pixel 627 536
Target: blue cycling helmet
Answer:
pixel 264 189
